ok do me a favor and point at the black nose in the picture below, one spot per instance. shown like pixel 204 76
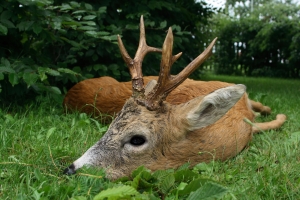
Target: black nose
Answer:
pixel 70 170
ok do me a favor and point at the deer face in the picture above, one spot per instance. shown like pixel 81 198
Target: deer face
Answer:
pixel 133 139
pixel 138 136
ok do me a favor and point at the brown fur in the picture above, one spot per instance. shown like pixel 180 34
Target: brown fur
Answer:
pixel 106 96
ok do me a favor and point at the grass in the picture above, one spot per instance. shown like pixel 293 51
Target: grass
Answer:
pixel 38 141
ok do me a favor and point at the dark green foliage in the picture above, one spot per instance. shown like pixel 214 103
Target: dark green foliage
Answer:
pixel 49 45
pixel 264 42
pixel 164 184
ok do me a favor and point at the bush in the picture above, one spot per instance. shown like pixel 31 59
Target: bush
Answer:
pixel 265 42
pixel 49 45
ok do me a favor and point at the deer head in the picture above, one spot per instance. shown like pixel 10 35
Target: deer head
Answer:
pixel 149 131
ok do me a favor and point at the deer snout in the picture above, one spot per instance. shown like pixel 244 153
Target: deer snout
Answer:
pixel 70 170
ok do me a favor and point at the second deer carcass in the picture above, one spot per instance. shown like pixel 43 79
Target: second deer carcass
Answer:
pixel 152 132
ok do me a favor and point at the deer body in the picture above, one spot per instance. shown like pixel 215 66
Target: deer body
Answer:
pixel 106 96
pixel 208 124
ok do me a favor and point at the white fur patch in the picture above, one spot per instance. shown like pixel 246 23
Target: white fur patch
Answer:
pixel 83 160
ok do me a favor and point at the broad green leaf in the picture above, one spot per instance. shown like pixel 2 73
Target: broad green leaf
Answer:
pixel 146 175
pixel 30 78
pixel 68 71
pixel 65 7
pixel 5 62
pixel 3 29
pixel 131 26
pixel 178 28
pixel 135 182
pixel 179 33
pixel 102 10
pixel 13 79
pixel 185 175
pixel 160 174
pixel 1 76
pixel 193 186
pixel 119 192
pixel 167 183
pixel 7 69
pixel 138 171
pixel 77 69
pixel 184 166
pixel 109 38
pixel 89 17
pixel 55 90
pixel 43 70
pixel 73 43
pixel 103 33
pixel 24 37
pixel 74 24
pixel 74 4
pixel 202 167
pixel 86 28
pixel 79 11
pixel 52 72
pixel 125 73
pixel 163 24
pixel 181 186
pixel 100 34
pixel 6 15
pixel 7 23
pixel 56 25
pixel 88 6
pixel 89 23
pixel 92 33
pixel 116 72
pixel 98 67
pixel 24 25
pixel 42 74
pixel 208 191
pixel 37 28
pixel 113 67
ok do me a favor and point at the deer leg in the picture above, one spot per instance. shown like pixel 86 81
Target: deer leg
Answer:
pixel 275 124
pixel 258 107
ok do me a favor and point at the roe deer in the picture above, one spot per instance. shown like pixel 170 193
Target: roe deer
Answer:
pixel 152 132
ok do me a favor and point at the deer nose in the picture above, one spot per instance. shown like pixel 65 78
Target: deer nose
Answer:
pixel 70 170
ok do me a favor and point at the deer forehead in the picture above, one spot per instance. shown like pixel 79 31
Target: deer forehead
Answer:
pixel 135 119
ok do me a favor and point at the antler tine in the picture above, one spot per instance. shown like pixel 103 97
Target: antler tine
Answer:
pixel 166 83
pixel 190 68
pixel 135 65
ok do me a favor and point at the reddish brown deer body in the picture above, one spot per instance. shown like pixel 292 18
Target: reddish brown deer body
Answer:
pixel 105 96
pixel 152 132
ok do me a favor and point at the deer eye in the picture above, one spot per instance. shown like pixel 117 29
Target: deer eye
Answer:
pixel 137 140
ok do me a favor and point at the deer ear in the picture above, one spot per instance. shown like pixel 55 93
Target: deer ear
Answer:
pixel 213 106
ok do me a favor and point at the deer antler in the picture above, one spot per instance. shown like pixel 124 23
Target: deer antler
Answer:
pixel 166 83
pixel 135 65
